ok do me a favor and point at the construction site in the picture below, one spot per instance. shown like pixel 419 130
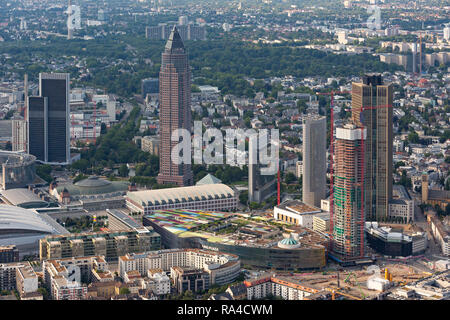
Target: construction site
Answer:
pixel 365 283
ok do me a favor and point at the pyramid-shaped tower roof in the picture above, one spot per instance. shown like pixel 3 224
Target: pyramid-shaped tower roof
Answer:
pixel 175 42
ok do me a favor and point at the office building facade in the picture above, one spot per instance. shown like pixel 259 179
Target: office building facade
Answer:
pixel 175 109
pixel 314 160
pixel 372 109
pixel 48 119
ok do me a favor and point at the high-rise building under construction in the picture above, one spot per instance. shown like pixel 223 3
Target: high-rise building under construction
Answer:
pixel 349 212
pixel 372 109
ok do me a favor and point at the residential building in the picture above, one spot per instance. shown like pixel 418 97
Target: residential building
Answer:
pixel 221 268
pixel 441 233
pixel 19 276
pixel 64 278
pixel 272 285
pixel 9 254
pixel 151 145
pixel 109 244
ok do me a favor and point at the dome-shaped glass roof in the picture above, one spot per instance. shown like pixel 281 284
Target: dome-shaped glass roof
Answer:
pixel 92 181
pixel 288 243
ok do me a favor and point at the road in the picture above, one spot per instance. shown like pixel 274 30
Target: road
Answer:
pixel 421 221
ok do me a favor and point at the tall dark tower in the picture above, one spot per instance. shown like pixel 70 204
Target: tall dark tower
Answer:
pixel 48 119
pixel 175 109
pixel 372 109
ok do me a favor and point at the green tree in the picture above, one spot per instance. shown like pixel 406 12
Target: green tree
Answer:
pixel 243 197
pixel 44 171
pixel 413 137
pixel 123 170
pixel 289 178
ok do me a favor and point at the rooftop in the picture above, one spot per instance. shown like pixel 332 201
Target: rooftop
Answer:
pixel 208 179
pixel 23 197
pixel 181 194
pixel 174 43
pixel 298 207
pixel 16 218
pixel 231 228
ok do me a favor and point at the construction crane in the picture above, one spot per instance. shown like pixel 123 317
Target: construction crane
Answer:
pixel 335 291
pixel 347 280
pixel 363 108
pixel 331 94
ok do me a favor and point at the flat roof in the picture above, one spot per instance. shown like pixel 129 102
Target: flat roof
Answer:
pixel 178 220
pixel 298 207
pixel 247 232
pixel 124 218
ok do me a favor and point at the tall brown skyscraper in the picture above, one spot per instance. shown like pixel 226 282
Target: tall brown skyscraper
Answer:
pixel 175 109
pixel 372 109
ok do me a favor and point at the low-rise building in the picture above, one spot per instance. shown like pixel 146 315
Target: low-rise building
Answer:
pixel 391 242
pixel 435 287
pixel 296 212
pixel 401 207
pixel 159 281
pixel 102 289
pixel 9 254
pixel 321 222
pixel 272 285
pixel 192 279
pixel 19 276
pixel 222 268
pixel 109 244
pixel 202 197
pixel 440 233
pixel 66 278
pixel 150 144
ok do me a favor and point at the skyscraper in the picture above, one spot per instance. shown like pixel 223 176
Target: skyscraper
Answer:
pixel 20 127
pixel 260 186
pixel 37 127
pixel 19 135
pixel 48 119
pixel 349 213
pixel 175 109
pixel 372 109
pixel 314 160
